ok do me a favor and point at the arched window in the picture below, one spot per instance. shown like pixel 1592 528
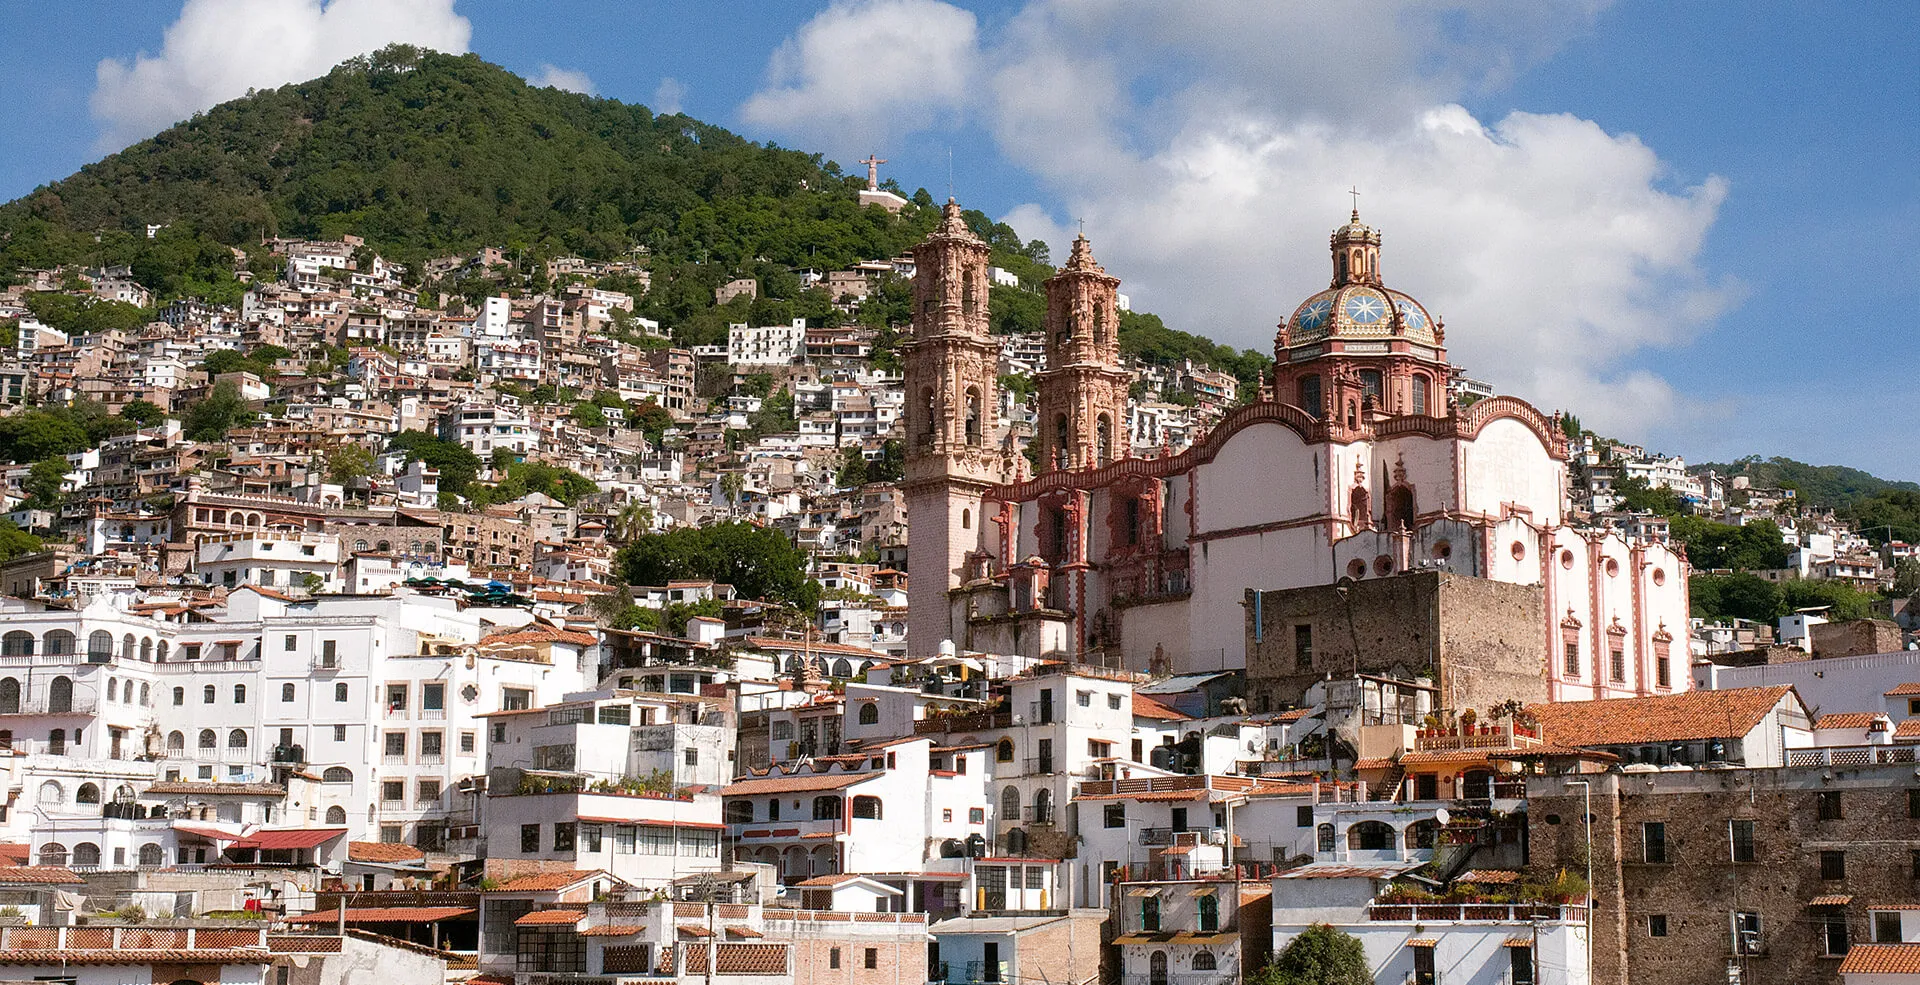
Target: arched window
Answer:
pixel 336 815
pixel 842 668
pixel 1103 440
pixel 127 643
pixel 1323 838
pixel 1157 966
pixel 973 415
pixel 152 856
pixel 87 794
pixel 237 739
pixel 1310 395
pixel 1422 834
pixel 1062 439
pixel 286 692
pixel 339 692
pixel 1370 836
pixel 146 695
pixel 208 740
pixel 60 694
pixel 113 689
pixel 1043 806
pixel 100 647
pixel 826 808
pixel 1419 394
pixel 86 853
pixel 867 807
pixel 1099 322
pixel 1003 751
pixel 1400 511
pixel 1204 960
pixel 337 774
pixel 51 795
pixel 57 742
pixel 58 642
pixel 239 694
pixel 1360 508
pixel 146 649
pixel 1209 909
pixel 18 643
pixel 123 794
pixel 9 696
pixel 160 651
pixel 1017 843
pixel 1371 387
pixel 1010 804
pixel 176 741
pixel 926 403
pixel 208 694
pixel 53 853
pixel 870 713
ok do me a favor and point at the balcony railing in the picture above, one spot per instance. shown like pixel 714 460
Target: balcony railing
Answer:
pixel 1850 755
pixel 1501 735
pixel 41 706
pixel 1040 764
pixel 1477 912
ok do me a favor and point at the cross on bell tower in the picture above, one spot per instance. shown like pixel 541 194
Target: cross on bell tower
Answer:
pixel 873 163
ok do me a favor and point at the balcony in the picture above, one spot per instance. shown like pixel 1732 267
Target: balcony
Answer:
pixel 1499 735
pixel 41 706
pixel 1850 755
pixel 1520 913
pixel 1039 765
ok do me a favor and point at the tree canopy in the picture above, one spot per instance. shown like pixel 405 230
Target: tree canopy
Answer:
pixel 457 466
pixel 1320 955
pixel 759 563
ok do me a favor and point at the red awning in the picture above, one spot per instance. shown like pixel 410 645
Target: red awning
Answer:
pixel 289 838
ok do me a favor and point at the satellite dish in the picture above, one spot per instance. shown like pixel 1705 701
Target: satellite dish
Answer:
pixel 1441 817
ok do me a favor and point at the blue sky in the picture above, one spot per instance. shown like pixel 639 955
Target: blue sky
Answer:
pixel 1692 224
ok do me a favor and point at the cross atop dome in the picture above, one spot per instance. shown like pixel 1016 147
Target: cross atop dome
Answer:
pixel 1356 252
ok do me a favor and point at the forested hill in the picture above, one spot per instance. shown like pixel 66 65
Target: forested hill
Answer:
pixel 425 154
pixel 1834 486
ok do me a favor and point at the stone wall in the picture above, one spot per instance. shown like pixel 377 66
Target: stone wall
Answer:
pixel 1483 641
pixel 1699 887
pixel 1852 639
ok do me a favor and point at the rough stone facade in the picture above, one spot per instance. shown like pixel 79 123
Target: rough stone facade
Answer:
pixel 1483 641
pixel 1700 886
pixel 1852 639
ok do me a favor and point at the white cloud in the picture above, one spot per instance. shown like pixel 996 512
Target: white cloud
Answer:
pixel 218 49
pixel 571 80
pixel 864 72
pixel 669 96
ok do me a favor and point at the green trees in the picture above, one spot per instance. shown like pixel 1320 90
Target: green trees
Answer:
pixel 78 315
pixel 457 466
pixel 143 412
pixel 759 563
pixel 1755 546
pixel 15 542
pixel 43 483
pixel 39 434
pixel 523 478
pixel 1639 497
pixel 1321 955
pixel 347 462
pixel 1739 595
pixel 219 411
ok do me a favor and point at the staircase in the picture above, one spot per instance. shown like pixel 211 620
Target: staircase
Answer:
pixel 1388 788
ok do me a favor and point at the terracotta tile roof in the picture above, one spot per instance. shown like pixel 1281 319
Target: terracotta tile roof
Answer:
pixel 39 874
pixel 614 930
pixel 1372 764
pixel 1882 959
pixel 1149 796
pixel 694 930
pixel 1830 901
pixel 206 789
pixel 544 882
pixel 303 943
pixel 381 851
pixel 1908 730
pixel 744 932
pixel 70 956
pixel 538 634
pixel 1146 707
pixel 1681 717
pixel 1911 687
pixel 822 882
pixel 798 783
pixel 1846 720
pixel 15 853
pixel 817 646
pixel 551 918
pixel 385 914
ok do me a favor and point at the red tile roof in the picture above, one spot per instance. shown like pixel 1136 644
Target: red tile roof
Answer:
pixel 39 874
pixel 1908 730
pixel 614 930
pixel 1846 720
pixel 542 882
pixel 797 783
pixel 382 852
pixel 14 853
pixel 289 838
pixel 551 918
pixel 1911 687
pixel 739 959
pixel 1882 959
pixel 70 956
pixel 1681 717
pixel 385 914
pixel 1145 707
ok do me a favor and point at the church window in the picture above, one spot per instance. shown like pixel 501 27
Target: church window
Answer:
pixel 1099 323
pixel 1310 395
pixel 1571 659
pixel 1130 523
pixel 926 401
pixel 1061 439
pixel 1419 394
pixel 973 415
pixel 1617 665
pixel 1103 440
pixel 1356 569
pixel 1303 647
pixel 1057 546
pixel 1400 511
pixel 1340 265
pixel 966 294
pixel 1371 387
pixel 966 519
pixel 1360 508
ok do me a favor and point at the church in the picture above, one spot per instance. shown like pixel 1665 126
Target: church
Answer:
pixel 1353 465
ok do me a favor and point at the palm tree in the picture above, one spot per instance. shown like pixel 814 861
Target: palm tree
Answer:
pixel 632 522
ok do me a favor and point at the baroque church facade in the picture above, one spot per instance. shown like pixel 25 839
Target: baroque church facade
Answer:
pixel 1353 463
